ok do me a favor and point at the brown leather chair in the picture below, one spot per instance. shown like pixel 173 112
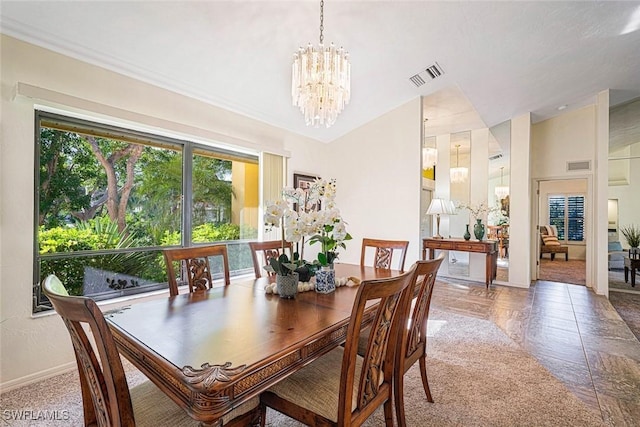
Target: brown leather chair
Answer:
pixel 106 398
pixel 413 345
pixel 384 252
pixel 270 249
pixel 322 393
pixel 196 266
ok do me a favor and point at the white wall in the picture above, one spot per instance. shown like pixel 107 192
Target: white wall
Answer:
pixel 377 167
pixel 519 202
pixel 568 137
pixel 575 136
pixel 33 347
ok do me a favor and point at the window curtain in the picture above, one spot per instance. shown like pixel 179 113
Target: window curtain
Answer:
pixel 273 173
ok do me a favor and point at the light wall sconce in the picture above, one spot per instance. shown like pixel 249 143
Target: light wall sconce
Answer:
pixel 458 174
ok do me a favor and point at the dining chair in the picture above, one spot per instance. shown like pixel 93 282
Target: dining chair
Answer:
pixel 106 398
pixel 270 249
pixel 413 340
pixel 413 346
pixel 384 252
pixel 194 262
pixel 342 388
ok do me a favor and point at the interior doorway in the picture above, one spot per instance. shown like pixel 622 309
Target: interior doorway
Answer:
pixel 562 230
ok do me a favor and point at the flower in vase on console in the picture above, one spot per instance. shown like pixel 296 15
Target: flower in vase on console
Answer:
pixel 478 210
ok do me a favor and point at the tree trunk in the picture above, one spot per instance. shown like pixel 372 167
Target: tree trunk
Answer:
pixel 117 205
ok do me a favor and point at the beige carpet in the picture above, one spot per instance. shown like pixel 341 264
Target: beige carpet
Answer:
pixel 478 377
pixel 561 271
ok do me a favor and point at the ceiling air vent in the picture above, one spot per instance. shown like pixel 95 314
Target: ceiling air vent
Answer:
pixel 584 165
pixel 429 73
pixel 434 71
pixel 417 80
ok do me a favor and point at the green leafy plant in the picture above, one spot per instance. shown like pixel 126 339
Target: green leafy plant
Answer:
pixel 332 236
pixel 282 265
pixel 632 234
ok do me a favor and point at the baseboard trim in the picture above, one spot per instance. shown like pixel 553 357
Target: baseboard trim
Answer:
pixel 37 376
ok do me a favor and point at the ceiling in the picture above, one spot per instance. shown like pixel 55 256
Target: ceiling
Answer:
pixel 500 59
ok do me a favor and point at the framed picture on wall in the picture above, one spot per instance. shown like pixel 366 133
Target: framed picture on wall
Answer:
pixel 304 182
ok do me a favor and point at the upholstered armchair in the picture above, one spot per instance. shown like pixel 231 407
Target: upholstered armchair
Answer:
pixel 616 255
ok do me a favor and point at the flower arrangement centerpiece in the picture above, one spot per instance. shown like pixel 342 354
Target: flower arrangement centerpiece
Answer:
pixel 306 213
pixel 331 230
pixel 331 233
pixel 477 211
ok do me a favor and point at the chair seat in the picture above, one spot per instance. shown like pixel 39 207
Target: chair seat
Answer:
pixel 152 408
pixel 316 387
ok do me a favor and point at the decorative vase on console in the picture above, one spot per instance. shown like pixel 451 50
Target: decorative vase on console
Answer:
pixel 467 235
pixel 478 229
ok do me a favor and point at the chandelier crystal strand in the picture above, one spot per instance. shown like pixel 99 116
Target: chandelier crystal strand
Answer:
pixel 321 81
pixel 501 191
pixel 458 174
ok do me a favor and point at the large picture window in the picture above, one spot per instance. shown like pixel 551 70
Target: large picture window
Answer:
pixel 566 212
pixel 110 199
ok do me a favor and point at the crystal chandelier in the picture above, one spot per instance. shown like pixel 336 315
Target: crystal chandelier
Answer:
pixel 502 191
pixel 321 80
pixel 429 154
pixel 458 174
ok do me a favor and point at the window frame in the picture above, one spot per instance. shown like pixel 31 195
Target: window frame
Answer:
pixel 567 218
pixel 187 148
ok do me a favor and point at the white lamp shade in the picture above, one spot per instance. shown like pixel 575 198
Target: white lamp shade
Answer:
pixel 438 207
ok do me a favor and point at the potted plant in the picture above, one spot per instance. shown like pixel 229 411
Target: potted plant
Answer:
pixel 632 234
pixel 278 214
pixel 298 215
pixel 331 233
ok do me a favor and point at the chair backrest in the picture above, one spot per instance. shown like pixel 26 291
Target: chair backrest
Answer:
pixel 195 263
pixel 269 249
pixel 414 338
pixel 384 252
pixel 105 394
pixel 376 373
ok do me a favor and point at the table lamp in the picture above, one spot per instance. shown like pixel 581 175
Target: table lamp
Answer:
pixel 438 207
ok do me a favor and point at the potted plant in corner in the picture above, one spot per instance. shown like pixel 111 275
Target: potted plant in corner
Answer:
pixel 632 234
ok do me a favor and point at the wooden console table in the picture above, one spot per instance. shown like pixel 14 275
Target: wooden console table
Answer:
pixel 488 247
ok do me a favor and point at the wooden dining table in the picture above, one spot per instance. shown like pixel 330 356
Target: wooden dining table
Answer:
pixel 211 351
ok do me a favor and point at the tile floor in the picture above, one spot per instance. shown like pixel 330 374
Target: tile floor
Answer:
pixel 577 335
